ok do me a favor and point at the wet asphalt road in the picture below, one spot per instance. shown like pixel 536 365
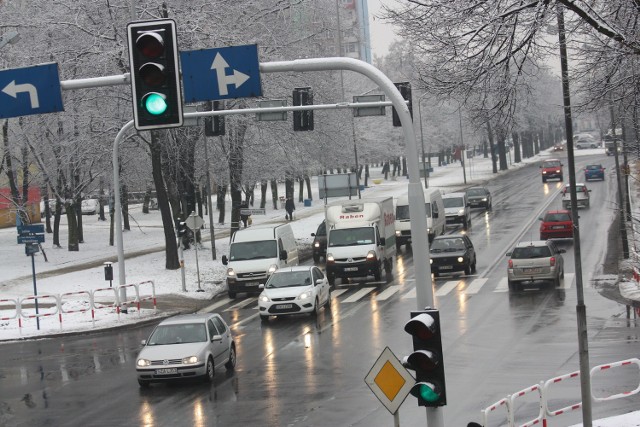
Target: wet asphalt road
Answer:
pixel 300 371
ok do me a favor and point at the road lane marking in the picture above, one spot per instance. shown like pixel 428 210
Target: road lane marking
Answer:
pixel 410 294
pixel 502 285
pixel 568 280
pixel 242 304
pixel 387 293
pixel 447 287
pixel 338 292
pixel 215 305
pixel 475 286
pixel 358 295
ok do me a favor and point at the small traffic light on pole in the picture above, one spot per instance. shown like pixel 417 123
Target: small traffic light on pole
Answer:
pixel 405 91
pixel 427 359
pixel 155 74
pixel 214 126
pixel 303 119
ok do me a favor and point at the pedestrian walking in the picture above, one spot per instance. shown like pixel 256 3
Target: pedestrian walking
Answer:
pixel 244 218
pixel 289 207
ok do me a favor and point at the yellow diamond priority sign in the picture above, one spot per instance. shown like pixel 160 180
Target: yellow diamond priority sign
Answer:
pixel 389 380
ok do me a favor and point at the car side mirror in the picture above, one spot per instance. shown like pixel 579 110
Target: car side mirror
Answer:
pixel 261 286
pixel 283 255
pixel 382 240
pixel 562 251
pixel 313 234
pixel 143 343
pixel 508 254
pixel 225 260
pixel 319 282
pixel 540 219
pixel 435 214
pixel 216 338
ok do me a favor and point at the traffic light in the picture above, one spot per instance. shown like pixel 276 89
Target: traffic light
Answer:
pixel 214 126
pixel 303 119
pixel 405 91
pixel 181 227
pixel 155 74
pixel 427 359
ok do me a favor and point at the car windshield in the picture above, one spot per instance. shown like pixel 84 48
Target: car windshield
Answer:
pixel 594 167
pixel 322 229
pixel 531 252
pixel 447 245
pixel 178 334
pixel 242 251
pixel 289 279
pixel 476 192
pixel 351 237
pixel 557 217
pixel 453 202
pixel 551 164
pixel 402 211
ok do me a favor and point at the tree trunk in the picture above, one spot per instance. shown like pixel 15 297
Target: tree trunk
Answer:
pixel 366 175
pixel 263 194
pixel 101 199
pixel 492 148
pixel 516 147
pixel 171 253
pixel 236 165
pixel 300 190
pixel 274 193
pixel 307 180
pixel 502 152
pixel 220 202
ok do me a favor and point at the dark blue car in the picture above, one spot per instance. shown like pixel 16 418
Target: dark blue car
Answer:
pixel 593 172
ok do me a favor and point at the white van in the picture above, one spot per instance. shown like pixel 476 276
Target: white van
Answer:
pixel 456 209
pixel 255 253
pixel 436 220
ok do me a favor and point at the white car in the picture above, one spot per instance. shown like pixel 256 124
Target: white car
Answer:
pixel 582 195
pixel 90 206
pixel 186 346
pixel 292 290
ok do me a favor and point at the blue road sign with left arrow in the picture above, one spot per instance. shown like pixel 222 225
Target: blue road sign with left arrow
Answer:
pixel 30 90
pixel 221 73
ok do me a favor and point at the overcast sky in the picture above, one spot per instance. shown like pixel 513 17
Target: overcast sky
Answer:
pixel 381 33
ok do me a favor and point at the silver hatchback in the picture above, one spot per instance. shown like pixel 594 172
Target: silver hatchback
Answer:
pixel 536 260
pixel 186 346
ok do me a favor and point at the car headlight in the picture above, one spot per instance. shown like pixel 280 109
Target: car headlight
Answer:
pixel 272 268
pixel 461 212
pixel 191 360
pixel 143 362
pixel 264 298
pixel 316 244
pixel 430 260
pixel 230 272
pixel 305 295
pixel 484 199
pixel 330 258
pixel 429 230
pixel 398 232
pixel 460 259
pixel 371 255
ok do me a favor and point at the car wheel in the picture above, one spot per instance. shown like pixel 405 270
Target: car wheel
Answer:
pixel 467 269
pixel 556 281
pixel 331 279
pixel 210 373
pixel 465 224
pixel 560 177
pixel 378 273
pixel 512 285
pixel 473 266
pixel 231 363
pixel 316 258
pixel 263 318
pixel 544 180
pixel 436 274
pixel 143 383
pixel 232 294
pixel 316 308
pixel 398 247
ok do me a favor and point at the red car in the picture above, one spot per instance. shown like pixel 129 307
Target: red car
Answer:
pixel 556 225
pixel 551 169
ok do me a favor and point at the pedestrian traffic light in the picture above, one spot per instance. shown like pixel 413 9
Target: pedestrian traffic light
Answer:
pixel 155 74
pixel 427 359
pixel 214 126
pixel 302 119
pixel 405 91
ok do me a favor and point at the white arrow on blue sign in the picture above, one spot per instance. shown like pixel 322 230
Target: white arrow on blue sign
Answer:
pixel 30 90
pixel 221 73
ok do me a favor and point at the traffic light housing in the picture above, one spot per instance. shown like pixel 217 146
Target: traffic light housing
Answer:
pixel 214 126
pixel 405 91
pixel 427 359
pixel 181 227
pixel 303 119
pixel 155 74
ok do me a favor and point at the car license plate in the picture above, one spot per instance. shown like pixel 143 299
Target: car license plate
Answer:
pixel 531 270
pixel 166 371
pixel 251 284
pixel 446 267
pixel 284 306
pixel 351 269
pixel 558 227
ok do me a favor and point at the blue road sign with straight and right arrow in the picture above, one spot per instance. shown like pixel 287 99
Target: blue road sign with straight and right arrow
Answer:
pixel 221 73
pixel 30 90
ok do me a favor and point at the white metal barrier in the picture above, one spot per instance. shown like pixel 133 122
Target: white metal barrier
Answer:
pixel 16 307
pixel 543 392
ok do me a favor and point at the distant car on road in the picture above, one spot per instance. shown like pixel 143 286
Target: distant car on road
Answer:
pixel 186 346
pixel 594 171
pixel 90 206
pixel 319 244
pixel 558 147
pixel 582 195
pixel 551 168
pixel 479 197
pixel 451 253
pixel 586 141
pixel 294 290
pixel 533 261
pixel 456 209
pixel 556 224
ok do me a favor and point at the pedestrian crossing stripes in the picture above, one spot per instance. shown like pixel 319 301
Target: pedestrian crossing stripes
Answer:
pixel 472 288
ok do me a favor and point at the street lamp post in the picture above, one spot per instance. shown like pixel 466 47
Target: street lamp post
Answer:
pixel 424 167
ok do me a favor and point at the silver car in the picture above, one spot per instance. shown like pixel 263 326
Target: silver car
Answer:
pixel 535 260
pixel 186 346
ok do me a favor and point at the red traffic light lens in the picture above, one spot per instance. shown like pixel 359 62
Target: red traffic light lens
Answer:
pixel 150 44
pixel 152 74
pixel 421 326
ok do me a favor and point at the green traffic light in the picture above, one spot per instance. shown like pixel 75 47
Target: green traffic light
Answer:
pixel 155 104
pixel 426 392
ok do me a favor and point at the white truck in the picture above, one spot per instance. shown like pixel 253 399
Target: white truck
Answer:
pixel 360 238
